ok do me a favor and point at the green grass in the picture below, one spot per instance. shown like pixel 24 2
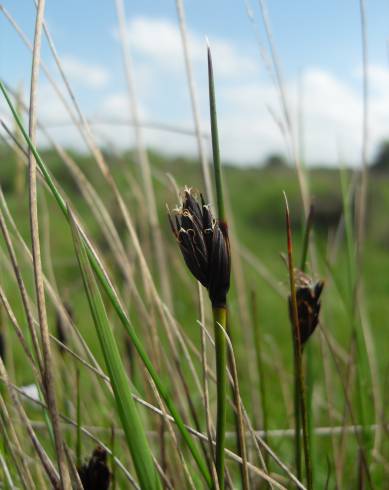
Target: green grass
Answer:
pixel 256 202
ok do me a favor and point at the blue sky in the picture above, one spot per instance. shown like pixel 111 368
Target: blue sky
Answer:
pixel 318 44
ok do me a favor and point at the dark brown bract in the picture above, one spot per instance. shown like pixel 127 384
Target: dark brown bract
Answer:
pixel 95 473
pixel 308 304
pixel 204 245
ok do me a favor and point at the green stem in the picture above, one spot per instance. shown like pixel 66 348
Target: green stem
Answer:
pixel 304 420
pixel 261 373
pixel 299 371
pixel 220 319
pixel 310 384
pixel 215 140
pixel 307 233
pixel 308 348
pixel 297 417
pixel 219 313
pixel 239 426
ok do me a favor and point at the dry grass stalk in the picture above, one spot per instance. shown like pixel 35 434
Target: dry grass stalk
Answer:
pixel 47 373
pixel 193 99
pixel 45 460
pixel 159 248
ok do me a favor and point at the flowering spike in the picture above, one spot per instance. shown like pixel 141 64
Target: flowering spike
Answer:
pixel 95 473
pixel 204 245
pixel 308 304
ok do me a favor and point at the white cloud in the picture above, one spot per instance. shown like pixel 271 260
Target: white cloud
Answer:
pixel 248 102
pixel 82 73
pixel 159 41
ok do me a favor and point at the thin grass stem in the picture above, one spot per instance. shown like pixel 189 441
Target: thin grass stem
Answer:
pixel 308 348
pixel 220 319
pixel 300 392
pixel 260 368
pixel 219 313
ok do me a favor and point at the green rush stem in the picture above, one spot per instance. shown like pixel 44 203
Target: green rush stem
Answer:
pixel 220 319
pixel 219 314
pixel 111 293
pixel 239 429
pixel 260 368
pixel 304 420
pixel 360 358
pixel 297 417
pixel 215 140
pixel 299 370
pixel 307 233
pixel 308 348
pixel 310 384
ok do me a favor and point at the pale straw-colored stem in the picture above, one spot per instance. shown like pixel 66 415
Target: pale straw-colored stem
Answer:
pixel 194 103
pixel 39 286
pixel 143 161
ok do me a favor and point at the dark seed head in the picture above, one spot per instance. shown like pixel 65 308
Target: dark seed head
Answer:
pixel 204 245
pixel 308 304
pixel 95 474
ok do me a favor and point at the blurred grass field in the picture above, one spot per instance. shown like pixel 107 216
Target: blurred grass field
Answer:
pixel 257 215
pixel 116 366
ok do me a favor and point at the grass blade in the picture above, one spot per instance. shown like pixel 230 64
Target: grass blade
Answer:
pixel 128 413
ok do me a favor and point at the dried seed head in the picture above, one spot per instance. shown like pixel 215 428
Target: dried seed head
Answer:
pixel 308 304
pixel 95 473
pixel 204 245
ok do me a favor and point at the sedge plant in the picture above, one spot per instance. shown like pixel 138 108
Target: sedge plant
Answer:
pixel 205 246
pixel 304 309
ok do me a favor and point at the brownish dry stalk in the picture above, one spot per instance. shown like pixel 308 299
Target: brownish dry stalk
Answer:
pixel 47 374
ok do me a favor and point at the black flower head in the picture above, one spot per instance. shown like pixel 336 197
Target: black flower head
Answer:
pixel 204 245
pixel 95 473
pixel 308 304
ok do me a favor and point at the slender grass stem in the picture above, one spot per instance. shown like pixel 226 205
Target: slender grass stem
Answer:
pixel 260 368
pixel 220 319
pixel 47 373
pixel 219 313
pixel 309 397
pixel 215 140
pixel 194 100
pixel 297 417
pixel 238 410
pixel 308 348
pixel 300 385
pixel 307 234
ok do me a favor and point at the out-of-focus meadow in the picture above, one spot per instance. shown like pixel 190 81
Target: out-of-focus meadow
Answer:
pixel 115 372
pixel 257 221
